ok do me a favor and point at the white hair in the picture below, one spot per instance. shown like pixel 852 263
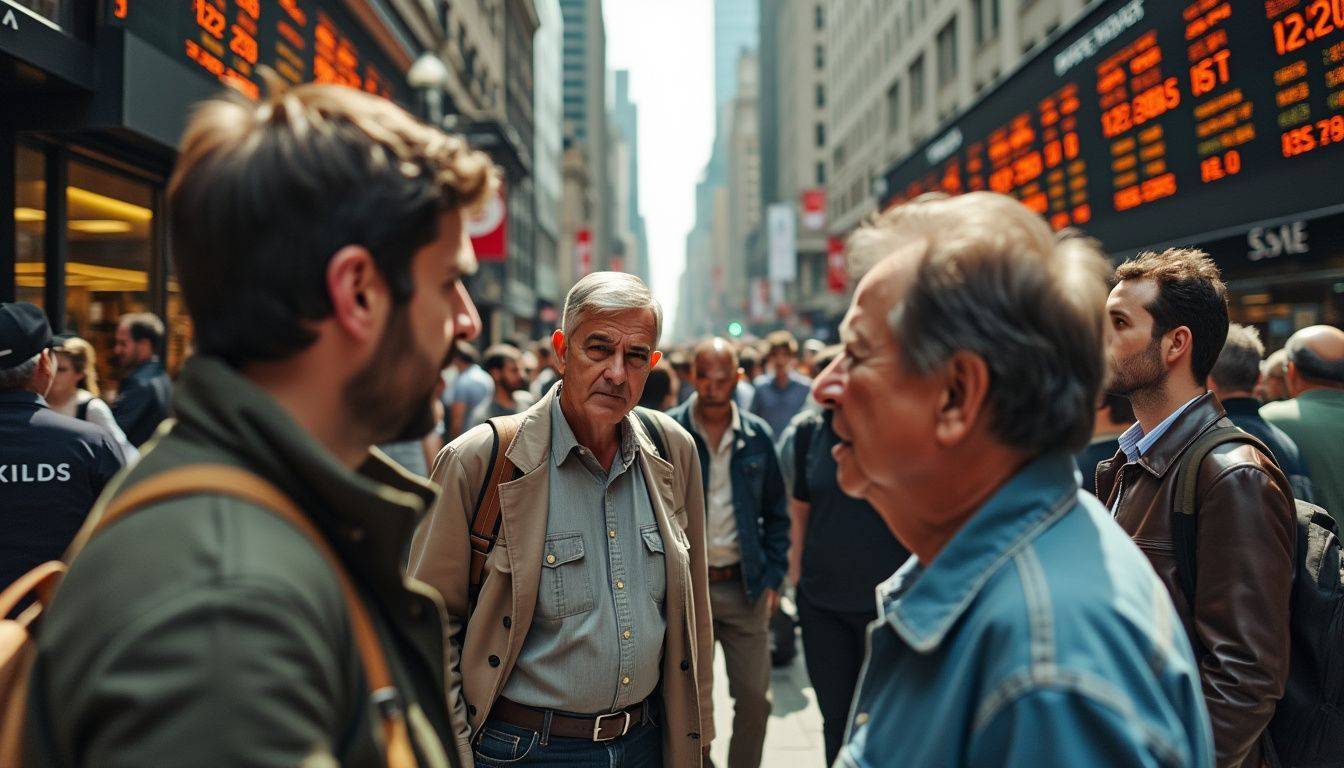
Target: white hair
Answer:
pixel 605 292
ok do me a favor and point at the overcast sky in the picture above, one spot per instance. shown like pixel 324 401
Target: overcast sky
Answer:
pixel 668 47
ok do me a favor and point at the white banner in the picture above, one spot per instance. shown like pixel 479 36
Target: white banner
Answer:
pixel 783 255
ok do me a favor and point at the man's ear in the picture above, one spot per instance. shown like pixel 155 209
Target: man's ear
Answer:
pixel 559 345
pixel 654 359
pixel 964 388
pixel 359 297
pixel 1181 341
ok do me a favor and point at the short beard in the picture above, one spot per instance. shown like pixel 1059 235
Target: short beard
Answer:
pixel 1138 374
pixel 375 398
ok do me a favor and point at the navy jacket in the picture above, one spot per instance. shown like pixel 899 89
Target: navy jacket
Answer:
pixel 142 401
pixel 759 499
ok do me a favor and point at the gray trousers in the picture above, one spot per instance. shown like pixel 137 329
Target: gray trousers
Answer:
pixel 743 629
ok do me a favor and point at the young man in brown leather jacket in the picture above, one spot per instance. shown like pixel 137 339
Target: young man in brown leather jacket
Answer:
pixel 1168 317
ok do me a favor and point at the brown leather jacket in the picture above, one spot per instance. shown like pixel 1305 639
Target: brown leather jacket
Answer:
pixel 1244 569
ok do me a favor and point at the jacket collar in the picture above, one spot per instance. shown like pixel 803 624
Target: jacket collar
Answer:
pixel 744 424
pixel 369 514
pixel 532 445
pixel 922 602
pixel 22 397
pixel 1241 406
pixel 1198 417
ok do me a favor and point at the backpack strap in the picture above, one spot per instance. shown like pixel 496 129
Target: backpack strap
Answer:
pixel 82 410
pixel 247 486
pixel 655 433
pixel 485 519
pixel 1185 517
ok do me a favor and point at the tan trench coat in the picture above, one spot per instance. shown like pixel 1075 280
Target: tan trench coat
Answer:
pixel 503 614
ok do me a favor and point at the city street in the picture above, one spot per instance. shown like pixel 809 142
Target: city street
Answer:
pixel 793 737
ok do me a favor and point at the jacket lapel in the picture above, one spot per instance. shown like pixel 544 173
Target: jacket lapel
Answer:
pixel 658 476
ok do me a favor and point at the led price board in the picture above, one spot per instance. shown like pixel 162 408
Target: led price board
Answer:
pixel 302 40
pixel 1152 121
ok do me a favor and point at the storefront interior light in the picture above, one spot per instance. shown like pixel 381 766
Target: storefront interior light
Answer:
pixel 99 226
pixel 22 214
pixel 109 206
pixel 1252 299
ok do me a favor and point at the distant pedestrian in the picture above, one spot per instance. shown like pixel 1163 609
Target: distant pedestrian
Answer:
pixel 660 389
pixel 1234 379
pixel 681 364
pixel 75 391
pixel 1314 417
pixel 781 393
pixel 840 551
pixel 52 466
pixel 546 375
pixel 471 387
pixel 751 368
pixel 747 537
pixel 319 235
pixel 1113 417
pixel 1026 629
pixel 145 390
pixel 508 393
pixel 1168 315
pixel 1274 378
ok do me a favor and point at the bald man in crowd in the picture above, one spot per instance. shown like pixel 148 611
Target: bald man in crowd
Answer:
pixel 1314 417
pixel 747 536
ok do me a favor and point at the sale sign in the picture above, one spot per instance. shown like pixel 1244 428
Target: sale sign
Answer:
pixel 837 278
pixel 488 229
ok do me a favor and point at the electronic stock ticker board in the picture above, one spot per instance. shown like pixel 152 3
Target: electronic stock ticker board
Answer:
pixel 1153 121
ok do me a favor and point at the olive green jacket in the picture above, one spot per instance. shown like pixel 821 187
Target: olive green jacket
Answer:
pixel 204 630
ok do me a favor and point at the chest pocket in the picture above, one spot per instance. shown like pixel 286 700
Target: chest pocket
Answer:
pixel 566 587
pixel 655 562
pixel 753 471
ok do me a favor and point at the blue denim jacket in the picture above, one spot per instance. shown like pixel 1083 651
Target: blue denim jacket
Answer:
pixel 1039 636
pixel 759 499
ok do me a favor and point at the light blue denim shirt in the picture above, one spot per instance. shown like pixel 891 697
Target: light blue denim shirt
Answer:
pixel 1039 636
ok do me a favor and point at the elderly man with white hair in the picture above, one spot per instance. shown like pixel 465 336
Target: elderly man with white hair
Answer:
pixel 568 543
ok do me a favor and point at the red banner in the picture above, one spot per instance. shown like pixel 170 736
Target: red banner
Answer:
pixel 583 251
pixel 814 208
pixel 837 278
pixel 488 229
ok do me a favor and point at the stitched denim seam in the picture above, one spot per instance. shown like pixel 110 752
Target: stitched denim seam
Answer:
pixel 1096 689
pixel 1039 609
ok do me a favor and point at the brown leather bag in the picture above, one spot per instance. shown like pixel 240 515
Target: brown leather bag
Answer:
pixel 18 647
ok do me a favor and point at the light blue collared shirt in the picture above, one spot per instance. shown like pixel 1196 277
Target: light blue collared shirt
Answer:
pixel 1135 443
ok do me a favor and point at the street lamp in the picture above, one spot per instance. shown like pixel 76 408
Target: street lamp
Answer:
pixel 429 77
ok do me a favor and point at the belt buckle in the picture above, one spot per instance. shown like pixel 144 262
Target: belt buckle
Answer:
pixel 597 726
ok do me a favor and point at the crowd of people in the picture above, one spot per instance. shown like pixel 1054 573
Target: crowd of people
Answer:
pixel 1033 509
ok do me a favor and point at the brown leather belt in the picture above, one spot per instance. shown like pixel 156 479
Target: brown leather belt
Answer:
pixel 596 728
pixel 727 573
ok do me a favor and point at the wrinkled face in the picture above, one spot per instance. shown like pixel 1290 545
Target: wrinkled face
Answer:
pixel 1135 356
pixel 604 366
pixel 66 380
pixel 715 379
pixel 884 416
pixel 395 393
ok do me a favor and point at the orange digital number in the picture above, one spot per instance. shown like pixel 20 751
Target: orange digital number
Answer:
pixel 210 18
pixel 1220 166
pixel 1209 73
pixel 243 44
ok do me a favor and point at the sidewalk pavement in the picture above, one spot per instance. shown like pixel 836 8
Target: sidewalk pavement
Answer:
pixel 793 738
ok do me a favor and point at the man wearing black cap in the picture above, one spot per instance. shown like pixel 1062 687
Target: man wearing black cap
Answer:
pixel 52 467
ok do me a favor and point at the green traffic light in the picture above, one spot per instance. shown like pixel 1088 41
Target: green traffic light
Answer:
pixel 734 329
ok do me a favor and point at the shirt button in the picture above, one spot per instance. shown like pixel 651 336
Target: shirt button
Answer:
pixel 620 585
pixel 625 681
pixel 508 622
pixel 494 661
pixel 861 718
pixel 611 534
pixel 550 558
pixel 626 634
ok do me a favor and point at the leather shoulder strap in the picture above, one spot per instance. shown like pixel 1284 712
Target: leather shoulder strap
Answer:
pixel 1185 518
pixel 247 486
pixel 655 432
pixel 485 519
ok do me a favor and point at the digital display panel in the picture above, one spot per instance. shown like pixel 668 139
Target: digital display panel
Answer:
pixel 1153 121
pixel 302 40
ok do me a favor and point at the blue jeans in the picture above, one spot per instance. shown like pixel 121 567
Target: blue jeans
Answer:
pixel 500 744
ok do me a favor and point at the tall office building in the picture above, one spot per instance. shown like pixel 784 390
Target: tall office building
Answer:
pixel 585 114
pixel 629 223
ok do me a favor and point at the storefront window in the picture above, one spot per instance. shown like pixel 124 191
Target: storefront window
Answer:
pixel 30 220
pixel 111 235
pixel 51 10
pixel 179 328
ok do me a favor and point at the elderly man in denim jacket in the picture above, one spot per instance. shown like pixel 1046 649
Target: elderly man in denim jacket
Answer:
pixel 1026 629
